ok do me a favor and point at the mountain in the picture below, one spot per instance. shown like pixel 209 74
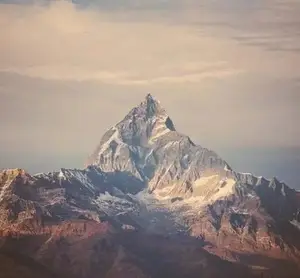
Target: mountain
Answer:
pixel 146 144
pixel 199 188
pixel 150 203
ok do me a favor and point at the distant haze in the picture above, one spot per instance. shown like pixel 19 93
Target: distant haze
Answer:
pixel 228 73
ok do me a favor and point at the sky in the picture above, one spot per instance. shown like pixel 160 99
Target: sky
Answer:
pixel 227 72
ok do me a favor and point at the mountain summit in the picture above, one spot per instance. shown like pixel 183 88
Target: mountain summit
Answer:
pixel 146 144
pixel 151 106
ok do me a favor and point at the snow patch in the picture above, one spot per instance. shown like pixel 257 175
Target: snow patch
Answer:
pixel 159 134
pixel 113 205
pixel 239 211
pixel 295 223
pixel 226 168
pixel 61 175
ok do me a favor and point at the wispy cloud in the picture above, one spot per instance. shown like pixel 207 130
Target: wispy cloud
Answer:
pixel 177 75
pixel 60 42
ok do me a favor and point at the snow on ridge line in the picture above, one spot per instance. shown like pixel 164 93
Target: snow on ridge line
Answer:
pixel 260 177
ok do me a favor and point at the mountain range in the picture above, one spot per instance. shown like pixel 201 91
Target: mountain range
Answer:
pixel 149 203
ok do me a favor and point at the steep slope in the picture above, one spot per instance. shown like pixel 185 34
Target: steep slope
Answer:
pixel 146 144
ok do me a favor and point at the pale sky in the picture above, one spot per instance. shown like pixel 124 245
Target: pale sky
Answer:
pixel 227 71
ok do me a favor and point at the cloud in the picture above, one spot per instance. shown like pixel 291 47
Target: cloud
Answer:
pixel 179 75
pixel 59 42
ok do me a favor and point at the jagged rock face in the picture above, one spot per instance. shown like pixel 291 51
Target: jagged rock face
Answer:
pixel 278 199
pixel 30 203
pixel 147 145
pixel 259 216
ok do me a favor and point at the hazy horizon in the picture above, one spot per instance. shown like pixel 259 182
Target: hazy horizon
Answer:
pixel 228 74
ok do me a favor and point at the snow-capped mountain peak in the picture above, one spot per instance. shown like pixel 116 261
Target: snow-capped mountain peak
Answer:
pixel 149 108
pixel 146 144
